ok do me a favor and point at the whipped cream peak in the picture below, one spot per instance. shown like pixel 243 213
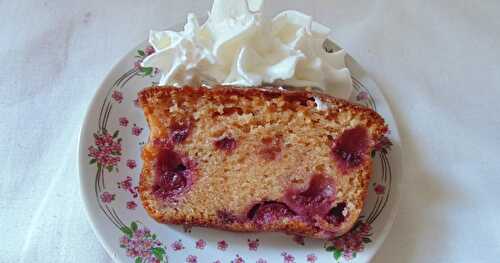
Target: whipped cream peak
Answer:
pixel 238 46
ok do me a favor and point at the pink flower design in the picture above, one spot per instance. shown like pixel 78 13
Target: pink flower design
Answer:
pixel 379 189
pixel 238 259
pixel 177 245
pixel 136 130
pixel 261 260
pixel 137 64
pixel 148 244
pixel 106 152
pixel 191 259
pixel 348 255
pixel 131 205
pixel 123 121
pixel 253 244
pixel 149 50
pixel 127 185
pixel 107 198
pixel 117 95
pixel 353 241
pixel 363 95
pixel 131 164
pixel 124 241
pixel 311 258
pixel 140 243
pixel 287 258
pixel 201 244
pixel 365 229
pixel 217 261
pixel 299 240
pixel 222 245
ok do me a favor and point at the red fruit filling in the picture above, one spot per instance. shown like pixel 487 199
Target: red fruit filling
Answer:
pixel 317 199
pixel 173 174
pixel 336 214
pixel 350 148
pixel 267 212
pixel 227 144
pixel 179 132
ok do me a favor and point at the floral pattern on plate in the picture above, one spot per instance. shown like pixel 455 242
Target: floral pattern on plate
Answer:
pixel 114 158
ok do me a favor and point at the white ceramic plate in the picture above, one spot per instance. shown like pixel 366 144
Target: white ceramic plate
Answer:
pixel 111 138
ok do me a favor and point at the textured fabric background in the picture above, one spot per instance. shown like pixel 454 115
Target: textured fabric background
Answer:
pixel 436 61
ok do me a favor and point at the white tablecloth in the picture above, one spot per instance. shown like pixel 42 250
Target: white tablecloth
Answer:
pixel 438 63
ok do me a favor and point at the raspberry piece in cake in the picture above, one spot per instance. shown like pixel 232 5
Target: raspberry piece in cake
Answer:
pixel 226 144
pixel 268 212
pixel 350 148
pixel 256 159
pixel 173 175
pixel 336 215
pixel 317 199
pixel 179 132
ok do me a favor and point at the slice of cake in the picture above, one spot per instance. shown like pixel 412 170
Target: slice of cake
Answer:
pixel 255 159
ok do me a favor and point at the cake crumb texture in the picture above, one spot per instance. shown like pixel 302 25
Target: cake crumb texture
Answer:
pixel 246 159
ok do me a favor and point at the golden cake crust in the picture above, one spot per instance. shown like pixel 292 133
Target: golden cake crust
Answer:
pixel 281 141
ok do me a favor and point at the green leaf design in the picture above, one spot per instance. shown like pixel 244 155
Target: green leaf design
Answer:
pixel 330 248
pixel 133 226
pixel 138 260
pixel 337 254
pixel 158 252
pixel 109 168
pixel 92 161
pixel 127 231
pixel 116 134
pixel 99 166
pixel 373 154
pixel 141 53
pixel 354 254
pixel 153 236
pixel 366 240
pixel 147 71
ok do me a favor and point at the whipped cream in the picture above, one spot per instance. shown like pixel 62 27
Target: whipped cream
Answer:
pixel 238 46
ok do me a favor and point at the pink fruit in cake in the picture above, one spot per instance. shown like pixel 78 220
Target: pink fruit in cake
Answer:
pixel 226 144
pixel 350 148
pixel 179 132
pixel 317 199
pixel 336 215
pixel 267 212
pixel 173 174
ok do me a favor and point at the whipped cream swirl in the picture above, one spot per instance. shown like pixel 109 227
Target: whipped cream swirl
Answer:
pixel 238 46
